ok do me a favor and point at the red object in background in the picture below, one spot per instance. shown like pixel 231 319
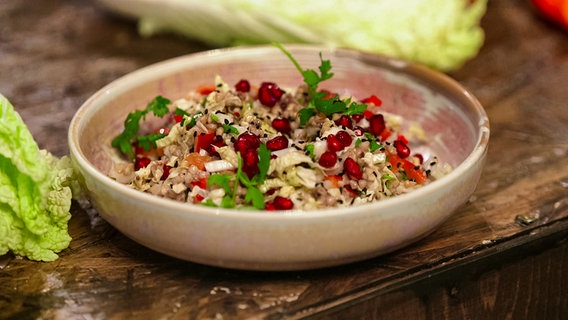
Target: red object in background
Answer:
pixel 554 10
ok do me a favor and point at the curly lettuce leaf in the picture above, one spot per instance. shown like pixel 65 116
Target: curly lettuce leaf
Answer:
pixel 35 192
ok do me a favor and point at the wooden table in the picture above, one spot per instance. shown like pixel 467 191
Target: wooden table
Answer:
pixel 503 255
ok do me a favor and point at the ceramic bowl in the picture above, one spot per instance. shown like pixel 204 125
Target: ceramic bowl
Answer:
pixel 291 240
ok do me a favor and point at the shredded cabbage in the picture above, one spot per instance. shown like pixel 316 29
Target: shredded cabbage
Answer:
pixel 35 192
pixel 442 34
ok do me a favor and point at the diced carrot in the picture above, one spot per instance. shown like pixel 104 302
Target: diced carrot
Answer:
pixel 334 179
pixel 197 160
pixel 205 89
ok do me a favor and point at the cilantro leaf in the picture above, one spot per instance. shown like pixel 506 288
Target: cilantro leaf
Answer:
pixel 230 129
pixel 221 180
pixel 158 106
pixel 255 196
pixel 305 115
pixel 373 144
pixel 149 142
pixel 355 108
pixel 263 163
pixel 181 112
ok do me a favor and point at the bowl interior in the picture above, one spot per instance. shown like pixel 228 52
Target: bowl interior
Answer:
pixel 450 117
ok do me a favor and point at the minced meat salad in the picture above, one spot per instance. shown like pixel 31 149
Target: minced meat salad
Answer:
pixel 271 149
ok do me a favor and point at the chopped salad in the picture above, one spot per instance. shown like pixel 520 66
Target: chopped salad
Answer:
pixel 260 146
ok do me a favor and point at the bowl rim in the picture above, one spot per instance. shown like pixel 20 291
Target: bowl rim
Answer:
pixel 482 130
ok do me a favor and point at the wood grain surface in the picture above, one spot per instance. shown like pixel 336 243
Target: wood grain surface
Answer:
pixel 503 255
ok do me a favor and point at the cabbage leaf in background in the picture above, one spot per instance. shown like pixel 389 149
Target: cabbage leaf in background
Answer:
pixel 442 34
pixel 35 192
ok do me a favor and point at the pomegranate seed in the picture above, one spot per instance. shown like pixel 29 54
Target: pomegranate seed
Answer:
pixel 269 93
pixel 166 173
pixel 281 203
pixel 333 144
pixel 250 162
pixel 141 162
pixel 237 114
pixel 357 117
pixel 344 121
pixel 344 138
pixel 269 206
pixel 358 131
pixel 352 169
pixel 242 86
pixel 328 159
pixel 246 141
pixel 377 124
pixel 402 150
pixel 281 125
pixel 277 143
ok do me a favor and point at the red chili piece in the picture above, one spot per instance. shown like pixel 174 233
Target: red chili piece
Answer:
pixel 373 100
pixel 269 93
pixel 216 142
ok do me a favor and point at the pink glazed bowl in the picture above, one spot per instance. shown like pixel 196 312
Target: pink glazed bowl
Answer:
pixel 290 240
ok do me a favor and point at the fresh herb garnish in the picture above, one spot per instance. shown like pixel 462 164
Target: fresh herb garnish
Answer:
pixel 226 127
pixel 123 142
pixel 253 195
pixel 310 149
pixel 319 100
pixel 373 144
pixel 149 142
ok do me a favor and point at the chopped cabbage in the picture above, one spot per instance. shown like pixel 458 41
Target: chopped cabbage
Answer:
pixel 442 34
pixel 35 192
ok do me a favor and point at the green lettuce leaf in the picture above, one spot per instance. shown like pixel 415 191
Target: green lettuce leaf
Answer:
pixel 35 192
